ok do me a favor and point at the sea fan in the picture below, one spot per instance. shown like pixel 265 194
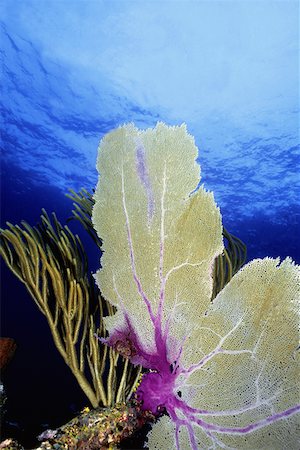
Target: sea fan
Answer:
pixel 224 372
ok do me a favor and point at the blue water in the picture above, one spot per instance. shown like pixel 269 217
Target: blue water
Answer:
pixel 72 71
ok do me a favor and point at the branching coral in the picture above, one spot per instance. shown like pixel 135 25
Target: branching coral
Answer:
pixel 52 264
pixel 83 205
pixel 229 262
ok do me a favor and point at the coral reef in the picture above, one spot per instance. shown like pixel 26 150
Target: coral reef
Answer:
pixel 52 264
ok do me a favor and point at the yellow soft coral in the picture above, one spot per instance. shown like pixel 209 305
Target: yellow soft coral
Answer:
pixel 226 372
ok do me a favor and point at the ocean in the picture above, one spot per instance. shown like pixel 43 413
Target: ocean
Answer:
pixel 61 93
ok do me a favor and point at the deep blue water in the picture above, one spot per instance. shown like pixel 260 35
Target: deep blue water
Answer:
pixel 70 73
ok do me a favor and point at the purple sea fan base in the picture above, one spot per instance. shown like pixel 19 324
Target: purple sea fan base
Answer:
pixel 158 390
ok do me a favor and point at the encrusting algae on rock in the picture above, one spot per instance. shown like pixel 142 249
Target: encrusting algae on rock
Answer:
pixel 100 428
pixel 96 429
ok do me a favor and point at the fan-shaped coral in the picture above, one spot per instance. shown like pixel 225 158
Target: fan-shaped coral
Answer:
pixel 226 372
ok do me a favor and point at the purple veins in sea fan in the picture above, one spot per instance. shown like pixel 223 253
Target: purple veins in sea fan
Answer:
pixel 226 373
pixel 242 391
pixel 142 170
pixel 162 388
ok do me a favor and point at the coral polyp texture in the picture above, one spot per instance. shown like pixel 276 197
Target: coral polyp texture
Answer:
pixel 225 372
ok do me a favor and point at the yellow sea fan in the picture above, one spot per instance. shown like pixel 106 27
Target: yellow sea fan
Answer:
pixel 241 378
pixel 224 372
pixel 152 227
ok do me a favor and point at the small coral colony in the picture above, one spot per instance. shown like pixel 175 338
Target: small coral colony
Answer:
pixel 192 339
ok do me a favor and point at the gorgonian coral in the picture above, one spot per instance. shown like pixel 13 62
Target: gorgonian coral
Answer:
pixel 225 372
